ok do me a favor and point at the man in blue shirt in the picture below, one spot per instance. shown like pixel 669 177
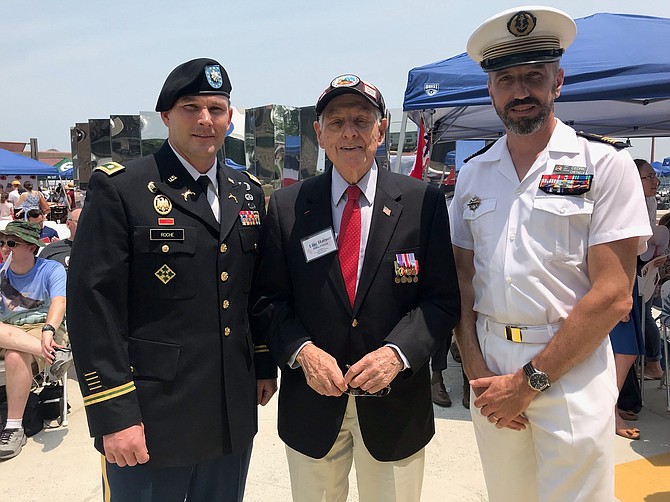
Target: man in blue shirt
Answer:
pixel 47 234
pixel 32 299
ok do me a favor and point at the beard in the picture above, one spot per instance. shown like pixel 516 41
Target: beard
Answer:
pixel 525 125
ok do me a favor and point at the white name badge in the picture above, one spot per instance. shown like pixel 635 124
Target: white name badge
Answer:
pixel 319 244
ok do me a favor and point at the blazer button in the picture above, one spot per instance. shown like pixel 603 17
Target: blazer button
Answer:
pixel 354 323
pixel 226 331
pixel 223 247
pixel 226 304
pixel 165 248
pixel 224 276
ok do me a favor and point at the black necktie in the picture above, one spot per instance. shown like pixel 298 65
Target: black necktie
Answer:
pixel 203 181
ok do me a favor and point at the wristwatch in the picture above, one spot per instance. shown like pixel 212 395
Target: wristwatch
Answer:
pixel 538 380
pixel 48 327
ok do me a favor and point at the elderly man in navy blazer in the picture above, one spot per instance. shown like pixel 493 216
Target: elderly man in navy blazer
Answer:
pixel 357 285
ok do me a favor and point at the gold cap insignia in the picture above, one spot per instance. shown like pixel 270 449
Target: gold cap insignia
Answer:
pixel 521 24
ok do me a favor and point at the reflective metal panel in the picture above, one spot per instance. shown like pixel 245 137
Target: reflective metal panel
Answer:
pixel 264 146
pixel 309 147
pixel 153 132
pixel 126 137
pixel 250 140
pixel 99 131
pixel 82 160
pixel 291 172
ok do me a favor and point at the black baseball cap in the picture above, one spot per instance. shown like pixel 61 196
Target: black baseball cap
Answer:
pixel 198 76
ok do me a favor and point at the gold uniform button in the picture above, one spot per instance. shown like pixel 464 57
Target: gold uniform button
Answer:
pixel 223 247
pixel 226 304
pixel 354 323
pixel 226 331
pixel 224 276
pixel 165 248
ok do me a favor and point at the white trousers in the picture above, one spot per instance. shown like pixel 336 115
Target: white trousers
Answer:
pixel 327 479
pixel 567 451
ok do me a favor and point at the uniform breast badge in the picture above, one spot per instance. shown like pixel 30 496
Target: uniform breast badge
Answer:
pixel 250 218
pixel 248 196
pixel 566 184
pixel 165 274
pixel 187 193
pixel 162 205
pixel 474 203
pixel 406 268
pixel 231 196
pixel 151 186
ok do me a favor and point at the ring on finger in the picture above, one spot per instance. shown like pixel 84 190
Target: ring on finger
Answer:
pixel 495 418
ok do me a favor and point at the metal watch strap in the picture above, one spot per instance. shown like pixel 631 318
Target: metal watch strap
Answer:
pixel 48 327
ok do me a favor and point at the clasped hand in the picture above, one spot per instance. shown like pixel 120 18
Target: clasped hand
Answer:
pixel 372 373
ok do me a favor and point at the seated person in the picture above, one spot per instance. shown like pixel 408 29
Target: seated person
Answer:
pixel 47 234
pixel 32 307
pixel 60 251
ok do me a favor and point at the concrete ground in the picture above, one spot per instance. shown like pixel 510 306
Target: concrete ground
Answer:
pixel 60 465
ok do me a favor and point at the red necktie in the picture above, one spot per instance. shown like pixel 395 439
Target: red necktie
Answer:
pixel 349 243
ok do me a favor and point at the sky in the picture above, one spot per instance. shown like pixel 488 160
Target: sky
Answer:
pixel 67 61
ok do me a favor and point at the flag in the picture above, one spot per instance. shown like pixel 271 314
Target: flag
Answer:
pixel 451 177
pixel 422 153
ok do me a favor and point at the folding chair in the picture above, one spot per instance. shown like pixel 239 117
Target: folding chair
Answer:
pixel 43 380
pixel 665 323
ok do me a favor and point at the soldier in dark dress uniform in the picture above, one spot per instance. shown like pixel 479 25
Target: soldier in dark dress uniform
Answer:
pixel 161 273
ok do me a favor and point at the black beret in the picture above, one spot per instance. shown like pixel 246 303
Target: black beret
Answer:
pixel 350 84
pixel 199 76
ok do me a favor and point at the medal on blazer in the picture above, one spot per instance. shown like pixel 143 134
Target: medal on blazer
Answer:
pixel 406 268
pixel 162 205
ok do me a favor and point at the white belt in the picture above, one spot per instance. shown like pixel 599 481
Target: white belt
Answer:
pixel 522 334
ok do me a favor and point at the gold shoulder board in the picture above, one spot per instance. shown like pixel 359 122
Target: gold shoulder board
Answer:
pixel 253 178
pixel 110 168
pixel 604 139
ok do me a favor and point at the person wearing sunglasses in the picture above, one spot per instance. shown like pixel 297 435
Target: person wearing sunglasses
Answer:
pixel 32 298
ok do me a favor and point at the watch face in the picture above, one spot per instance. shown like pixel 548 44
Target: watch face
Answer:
pixel 539 381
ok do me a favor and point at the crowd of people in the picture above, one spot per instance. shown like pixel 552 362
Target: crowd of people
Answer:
pixel 17 199
pixel 350 282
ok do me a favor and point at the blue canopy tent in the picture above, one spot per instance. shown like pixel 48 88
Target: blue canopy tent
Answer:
pixel 13 164
pixel 660 169
pixel 617 83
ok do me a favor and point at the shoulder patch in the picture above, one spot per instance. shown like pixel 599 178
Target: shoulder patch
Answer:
pixel 479 152
pixel 253 178
pixel 604 139
pixel 110 168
